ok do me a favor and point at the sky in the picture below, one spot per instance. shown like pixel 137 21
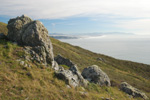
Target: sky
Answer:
pixel 83 16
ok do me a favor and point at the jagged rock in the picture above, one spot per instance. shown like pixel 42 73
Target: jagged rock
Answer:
pixel 63 61
pixel 100 59
pixel 73 79
pixel 2 36
pixel 56 67
pixel 34 36
pixel 72 76
pixel 68 77
pixel 127 88
pixel 15 26
pixel 75 71
pixel 95 75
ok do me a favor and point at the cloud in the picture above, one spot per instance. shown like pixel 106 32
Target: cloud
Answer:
pixel 54 9
pixel 140 26
pixel 130 15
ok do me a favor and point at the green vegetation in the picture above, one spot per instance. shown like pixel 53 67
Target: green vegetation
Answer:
pixel 3 28
pixel 136 74
pixel 38 82
pixel 65 66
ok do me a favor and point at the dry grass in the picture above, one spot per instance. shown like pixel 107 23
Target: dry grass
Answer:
pixel 36 83
pixel 3 28
pixel 39 83
pixel 136 74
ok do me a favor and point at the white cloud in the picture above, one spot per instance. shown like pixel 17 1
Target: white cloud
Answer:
pixel 140 26
pixel 66 8
pixel 56 9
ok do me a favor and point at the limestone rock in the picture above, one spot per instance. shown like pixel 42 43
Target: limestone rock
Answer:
pixel 95 75
pixel 75 71
pixel 127 88
pixel 15 26
pixel 101 59
pixel 56 67
pixel 73 79
pixel 72 76
pixel 63 61
pixel 68 77
pixel 34 36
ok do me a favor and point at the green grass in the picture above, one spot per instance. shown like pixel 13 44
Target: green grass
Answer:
pixel 3 28
pixel 65 66
pixel 136 74
pixel 39 82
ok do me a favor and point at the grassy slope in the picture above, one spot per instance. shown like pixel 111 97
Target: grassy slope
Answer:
pixel 3 28
pixel 136 74
pixel 38 82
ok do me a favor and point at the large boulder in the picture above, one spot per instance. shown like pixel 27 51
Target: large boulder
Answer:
pixel 95 75
pixel 127 88
pixel 34 36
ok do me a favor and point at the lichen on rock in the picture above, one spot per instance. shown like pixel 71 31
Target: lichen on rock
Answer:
pixel 71 76
pixel 127 88
pixel 95 75
pixel 33 36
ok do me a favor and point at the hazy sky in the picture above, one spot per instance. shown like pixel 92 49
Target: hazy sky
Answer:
pixel 82 16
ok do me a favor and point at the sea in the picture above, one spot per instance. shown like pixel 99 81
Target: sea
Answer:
pixel 134 48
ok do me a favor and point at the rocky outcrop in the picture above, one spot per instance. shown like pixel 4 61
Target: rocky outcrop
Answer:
pixel 95 75
pixel 64 61
pixel 34 36
pixel 15 26
pixel 72 76
pixel 100 59
pixel 68 77
pixel 127 88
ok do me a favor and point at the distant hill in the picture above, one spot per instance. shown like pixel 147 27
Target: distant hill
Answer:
pixel 94 33
pixel 64 37
pixel 85 35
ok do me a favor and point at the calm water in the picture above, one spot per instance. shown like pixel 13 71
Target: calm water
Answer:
pixel 133 48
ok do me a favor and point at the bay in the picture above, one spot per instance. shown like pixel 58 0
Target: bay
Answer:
pixel 133 48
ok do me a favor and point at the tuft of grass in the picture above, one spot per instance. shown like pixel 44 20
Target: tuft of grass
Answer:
pixel 65 66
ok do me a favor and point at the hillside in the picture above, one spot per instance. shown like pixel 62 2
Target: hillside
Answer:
pixel 3 28
pixel 39 82
pixel 136 74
